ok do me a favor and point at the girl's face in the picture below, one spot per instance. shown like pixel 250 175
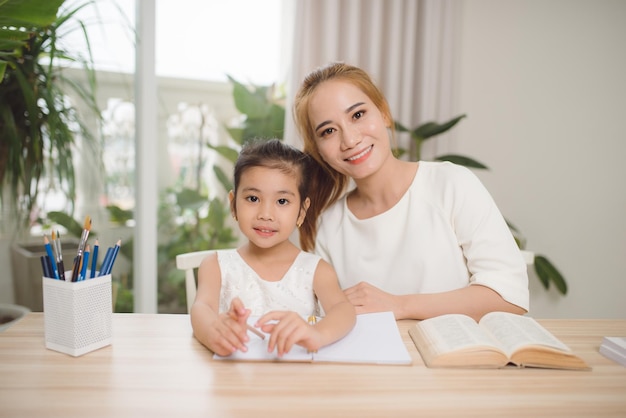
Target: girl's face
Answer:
pixel 351 133
pixel 268 206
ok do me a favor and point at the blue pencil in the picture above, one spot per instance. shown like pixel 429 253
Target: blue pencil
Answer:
pixel 83 270
pixel 106 261
pixel 94 259
pixel 115 251
pixel 46 243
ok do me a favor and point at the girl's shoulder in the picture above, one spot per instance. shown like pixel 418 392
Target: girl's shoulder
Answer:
pixel 305 258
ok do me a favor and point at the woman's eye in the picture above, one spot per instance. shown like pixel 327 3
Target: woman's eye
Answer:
pixel 283 201
pixel 327 132
pixel 359 114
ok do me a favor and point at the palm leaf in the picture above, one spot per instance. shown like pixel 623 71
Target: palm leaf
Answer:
pixel 547 273
pixel 223 178
pixel 462 160
pixel 430 129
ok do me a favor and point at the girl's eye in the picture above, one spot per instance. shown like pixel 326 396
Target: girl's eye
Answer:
pixel 283 201
pixel 252 199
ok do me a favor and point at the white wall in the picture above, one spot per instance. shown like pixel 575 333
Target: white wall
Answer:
pixel 544 86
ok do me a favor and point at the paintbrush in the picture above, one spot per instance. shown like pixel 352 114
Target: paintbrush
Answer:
pixel 81 249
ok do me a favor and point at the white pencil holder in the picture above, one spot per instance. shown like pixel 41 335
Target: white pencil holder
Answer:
pixel 77 315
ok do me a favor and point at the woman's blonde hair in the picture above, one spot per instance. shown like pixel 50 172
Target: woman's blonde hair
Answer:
pixel 326 184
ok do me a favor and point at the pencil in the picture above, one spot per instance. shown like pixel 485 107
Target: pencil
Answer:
pixel 94 260
pixel 105 261
pixel 45 266
pixel 108 266
pixel 48 247
pixel 255 331
pixel 85 261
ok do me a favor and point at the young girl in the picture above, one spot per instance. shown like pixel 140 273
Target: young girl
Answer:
pixel 420 239
pixel 269 276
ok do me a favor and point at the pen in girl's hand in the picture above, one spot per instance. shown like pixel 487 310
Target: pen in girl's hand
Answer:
pixel 255 331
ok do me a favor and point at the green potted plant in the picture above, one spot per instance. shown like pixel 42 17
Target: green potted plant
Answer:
pixel 39 125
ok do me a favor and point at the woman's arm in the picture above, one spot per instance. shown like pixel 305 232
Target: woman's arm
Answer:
pixel 473 300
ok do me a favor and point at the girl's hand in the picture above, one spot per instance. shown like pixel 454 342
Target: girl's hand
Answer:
pixel 367 298
pixel 286 329
pixel 228 332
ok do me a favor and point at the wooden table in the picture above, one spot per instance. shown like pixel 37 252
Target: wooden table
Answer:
pixel 155 368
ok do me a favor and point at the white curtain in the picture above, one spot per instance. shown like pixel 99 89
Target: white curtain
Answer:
pixel 407 46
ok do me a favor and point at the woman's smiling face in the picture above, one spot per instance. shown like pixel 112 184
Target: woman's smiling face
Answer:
pixel 350 131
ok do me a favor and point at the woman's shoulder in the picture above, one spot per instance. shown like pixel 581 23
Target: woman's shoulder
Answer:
pixel 442 169
pixel 443 175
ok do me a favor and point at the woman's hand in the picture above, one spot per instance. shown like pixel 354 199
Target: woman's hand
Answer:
pixel 367 298
pixel 286 329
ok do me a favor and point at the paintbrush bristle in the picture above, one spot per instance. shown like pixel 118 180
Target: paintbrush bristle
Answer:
pixel 87 224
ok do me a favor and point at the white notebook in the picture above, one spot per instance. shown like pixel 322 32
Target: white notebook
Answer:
pixel 375 339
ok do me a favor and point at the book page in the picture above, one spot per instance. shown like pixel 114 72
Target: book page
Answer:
pixel 455 332
pixel 515 331
pixel 375 339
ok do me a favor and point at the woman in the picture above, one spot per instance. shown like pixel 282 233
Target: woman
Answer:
pixel 420 239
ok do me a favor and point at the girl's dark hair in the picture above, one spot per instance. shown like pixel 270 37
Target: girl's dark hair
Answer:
pixel 275 154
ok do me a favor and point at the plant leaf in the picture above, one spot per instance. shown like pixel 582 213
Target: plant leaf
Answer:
pixel 223 178
pixel 119 215
pixel 190 199
pixel 547 273
pixel 66 221
pixel 400 128
pixel 229 153
pixel 462 160
pixel 250 103
pixel 430 129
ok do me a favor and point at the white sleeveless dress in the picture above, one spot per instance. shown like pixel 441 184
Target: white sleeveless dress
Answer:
pixel 294 292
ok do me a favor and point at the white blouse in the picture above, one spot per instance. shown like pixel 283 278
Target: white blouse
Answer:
pixel 445 233
pixel 294 292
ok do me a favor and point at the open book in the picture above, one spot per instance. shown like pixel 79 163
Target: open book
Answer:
pixel 375 339
pixel 499 339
